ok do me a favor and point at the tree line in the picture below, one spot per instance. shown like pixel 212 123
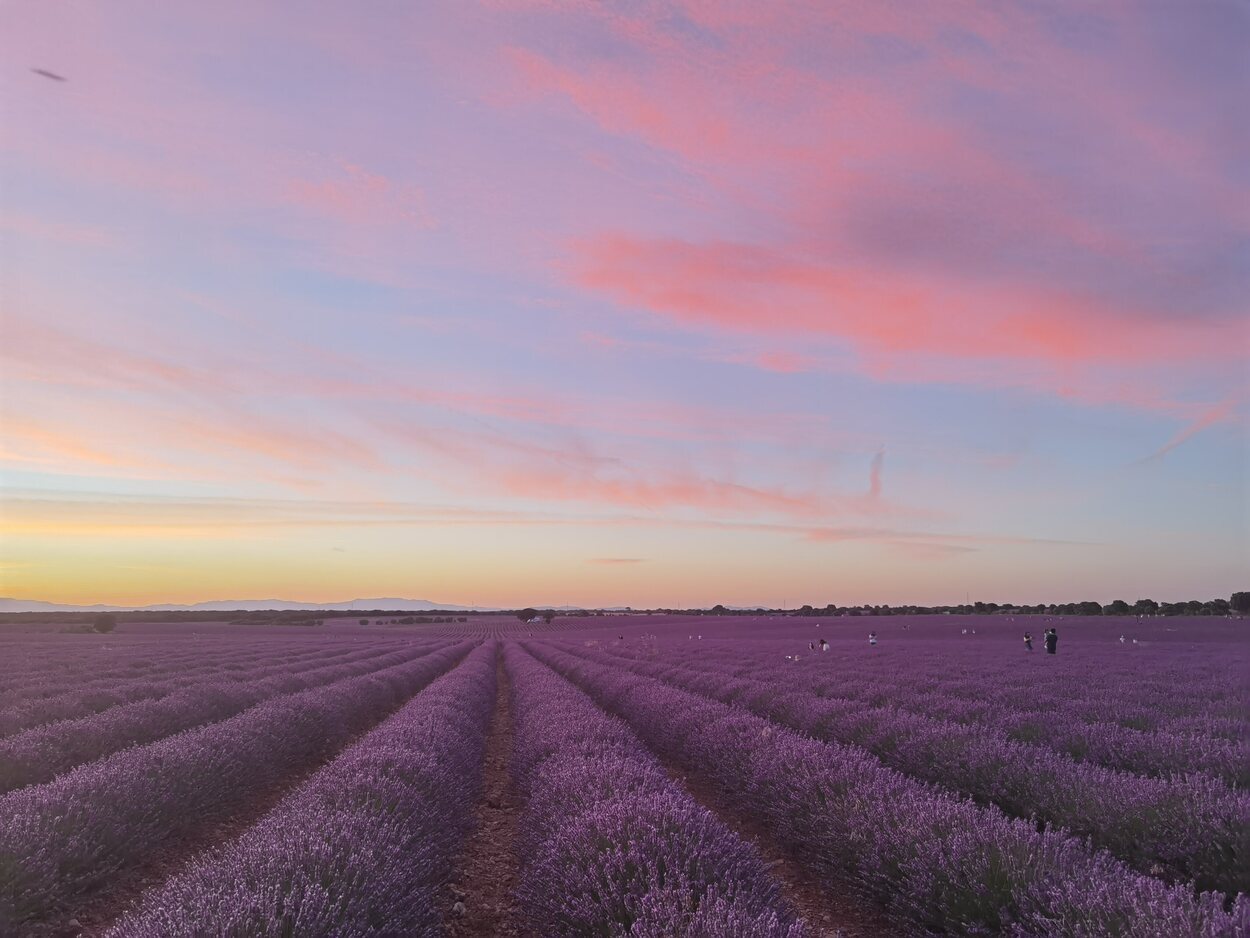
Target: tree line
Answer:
pixel 1237 604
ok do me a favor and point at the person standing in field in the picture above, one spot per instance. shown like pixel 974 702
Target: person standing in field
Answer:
pixel 1052 640
pixel 824 645
pixel 1028 641
pixel 872 638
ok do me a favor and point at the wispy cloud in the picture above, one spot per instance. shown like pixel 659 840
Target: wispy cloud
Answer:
pixel 1221 413
pixel 874 475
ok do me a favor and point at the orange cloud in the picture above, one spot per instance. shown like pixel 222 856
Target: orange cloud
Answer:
pixel 574 471
pixel 27 441
pixel 654 494
pixel 45 353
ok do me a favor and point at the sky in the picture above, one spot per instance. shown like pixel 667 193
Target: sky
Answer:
pixel 507 302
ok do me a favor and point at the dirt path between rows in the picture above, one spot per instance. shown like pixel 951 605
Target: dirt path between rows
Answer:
pixel 828 913
pixel 485 881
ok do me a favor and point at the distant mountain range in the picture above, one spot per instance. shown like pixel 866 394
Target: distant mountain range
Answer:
pixel 245 605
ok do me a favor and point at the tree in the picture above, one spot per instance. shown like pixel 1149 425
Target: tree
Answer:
pixel 526 614
pixel 104 622
pixel 1145 607
pixel 364 621
pixel 1117 608
pixel 548 616
pixel 1240 603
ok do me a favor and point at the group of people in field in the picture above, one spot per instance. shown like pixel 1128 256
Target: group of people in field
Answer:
pixel 1050 638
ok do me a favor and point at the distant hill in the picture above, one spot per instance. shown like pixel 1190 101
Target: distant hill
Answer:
pixel 243 605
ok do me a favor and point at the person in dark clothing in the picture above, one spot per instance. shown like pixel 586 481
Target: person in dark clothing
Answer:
pixel 1052 641
pixel 1028 641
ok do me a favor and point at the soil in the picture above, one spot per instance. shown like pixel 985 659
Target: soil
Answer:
pixel 485 881
pixel 829 913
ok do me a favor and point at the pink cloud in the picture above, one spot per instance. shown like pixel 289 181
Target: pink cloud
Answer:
pixel 760 290
pixel 66 232
pixel 357 196
pixel 901 215
pixel 784 362
pixel 620 103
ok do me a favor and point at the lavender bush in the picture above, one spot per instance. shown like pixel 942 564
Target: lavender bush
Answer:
pixel 56 702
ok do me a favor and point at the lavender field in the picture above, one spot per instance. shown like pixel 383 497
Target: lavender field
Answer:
pixel 627 775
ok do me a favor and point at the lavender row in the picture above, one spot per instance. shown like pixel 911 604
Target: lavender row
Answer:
pixel 1077 689
pixel 1199 689
pixel 100 670
pixel 124 653
pixel 66 838
pixel 942 863
pixel 1106 744
pixel 1109 690
pixel 45 691
pixel 362 848
pixel 1184 828
pixel 88 699
pixel 610 845
pixel 40 754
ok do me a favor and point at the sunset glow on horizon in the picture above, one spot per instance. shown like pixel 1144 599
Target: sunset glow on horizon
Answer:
pixel 509 302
